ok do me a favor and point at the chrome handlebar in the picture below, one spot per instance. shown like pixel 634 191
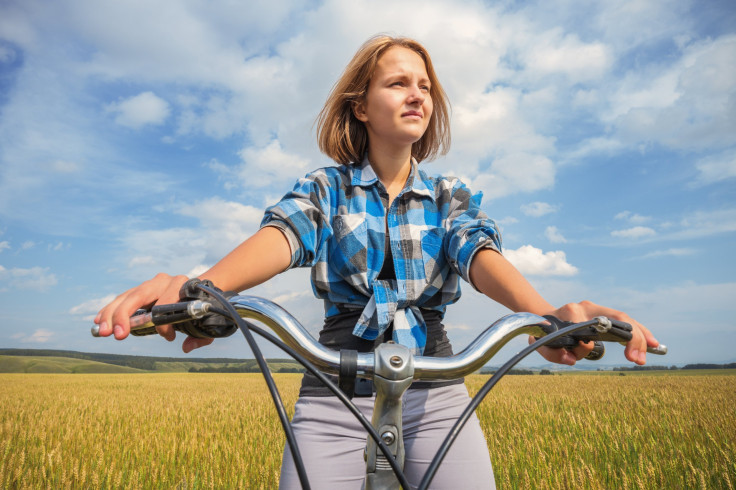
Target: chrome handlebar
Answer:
pixel 469 360
pixel 327 360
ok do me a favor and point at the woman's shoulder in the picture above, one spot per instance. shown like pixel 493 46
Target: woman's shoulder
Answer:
pixel 328 173
pixel 444 186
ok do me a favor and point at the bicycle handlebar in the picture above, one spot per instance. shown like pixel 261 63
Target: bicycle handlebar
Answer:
pixel 293 333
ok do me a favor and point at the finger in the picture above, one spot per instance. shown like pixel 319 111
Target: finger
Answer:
pixel 582 349
pixel 191 343
pixel 636 348
pixel 558 356
pixel 170 295
pixel 104 317
pixel 141 296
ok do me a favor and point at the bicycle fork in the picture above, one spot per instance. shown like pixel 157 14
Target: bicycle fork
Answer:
pixel 394 372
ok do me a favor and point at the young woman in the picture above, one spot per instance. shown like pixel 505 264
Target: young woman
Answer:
pixel 387 246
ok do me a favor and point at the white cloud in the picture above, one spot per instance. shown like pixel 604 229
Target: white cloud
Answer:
pixel 88 309
pixel 670 252
pixel 556 52
pixel 33 278
pixel 221 226
pixel 634 233
pixel 263 166
pixel 705 223
pixel 554 235
pixel 58 246
pixel 718 167
pixel 4 245
pixel 141 110
pixel 632 217
pixel 519 172
pixel 66 167
pixel 687 105
pixel 198 270
pixel 40 336
pixel 533 261
pixel 537 209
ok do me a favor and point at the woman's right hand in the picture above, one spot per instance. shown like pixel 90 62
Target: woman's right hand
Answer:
pixel 114 319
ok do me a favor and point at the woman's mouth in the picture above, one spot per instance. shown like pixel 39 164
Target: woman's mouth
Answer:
pixel 412 114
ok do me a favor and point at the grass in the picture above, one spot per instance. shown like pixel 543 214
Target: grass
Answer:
pixel 220 431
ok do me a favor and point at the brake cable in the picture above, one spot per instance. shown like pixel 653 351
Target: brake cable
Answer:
pixel 246 326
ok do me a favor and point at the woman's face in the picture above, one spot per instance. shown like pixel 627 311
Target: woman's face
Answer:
pixel 397 106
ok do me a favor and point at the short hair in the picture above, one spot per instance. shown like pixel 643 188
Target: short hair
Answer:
pixel 344 138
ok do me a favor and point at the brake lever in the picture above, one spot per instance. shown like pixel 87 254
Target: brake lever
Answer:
pixel 606 330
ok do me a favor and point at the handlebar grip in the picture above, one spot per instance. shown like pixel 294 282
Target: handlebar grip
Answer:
pixel 599 349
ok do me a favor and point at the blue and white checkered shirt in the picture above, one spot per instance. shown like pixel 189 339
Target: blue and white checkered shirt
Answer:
pixel 335 220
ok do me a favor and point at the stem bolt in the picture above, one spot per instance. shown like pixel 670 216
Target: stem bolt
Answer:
pixel 388 437
pixel 396 361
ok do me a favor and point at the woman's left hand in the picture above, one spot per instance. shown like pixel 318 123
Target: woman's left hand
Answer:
pixel 636 348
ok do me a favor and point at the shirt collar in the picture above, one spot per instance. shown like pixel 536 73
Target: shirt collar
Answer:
pixel 418 183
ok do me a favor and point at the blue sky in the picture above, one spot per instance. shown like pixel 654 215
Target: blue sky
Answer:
pixel 138 137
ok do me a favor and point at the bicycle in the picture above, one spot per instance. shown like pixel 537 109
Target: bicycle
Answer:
pixel 207 312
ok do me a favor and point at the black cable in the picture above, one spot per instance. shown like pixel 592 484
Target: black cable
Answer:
pixel 478 398
pixel 246 325
pixel 275 396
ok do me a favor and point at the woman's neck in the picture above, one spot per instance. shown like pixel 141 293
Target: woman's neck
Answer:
pixel 391 167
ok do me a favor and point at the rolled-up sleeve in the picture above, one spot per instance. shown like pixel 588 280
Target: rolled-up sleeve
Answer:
pixel 302 216
pixel 469 230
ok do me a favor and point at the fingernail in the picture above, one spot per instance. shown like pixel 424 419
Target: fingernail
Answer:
pixel 635 354
pixel 118 330
pixel 103 327
pixel 642 357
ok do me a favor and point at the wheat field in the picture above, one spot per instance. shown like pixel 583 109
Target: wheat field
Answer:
pixel 220 431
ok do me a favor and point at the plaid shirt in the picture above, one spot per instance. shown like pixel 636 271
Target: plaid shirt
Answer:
pixel 335 220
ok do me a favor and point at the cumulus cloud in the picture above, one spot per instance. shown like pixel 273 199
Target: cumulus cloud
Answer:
pixel 88 309
pixel 261 167
pixel 515 173
pixel 632 217
pixel 715 168
pixel 39 336
pixel 670 252
pixel 689 105
pixel 533 261
pixel 537 209
pixel 567 54
pixel 554 235
pixel 635 233
pixel 33 278
pixel 220 226
pixel 141 110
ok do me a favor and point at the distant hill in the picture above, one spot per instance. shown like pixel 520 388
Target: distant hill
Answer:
pixel 63 361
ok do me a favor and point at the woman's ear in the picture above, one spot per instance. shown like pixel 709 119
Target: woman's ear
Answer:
pixel 358 107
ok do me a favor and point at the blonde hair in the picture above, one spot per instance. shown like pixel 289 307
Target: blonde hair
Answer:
pixel 344 138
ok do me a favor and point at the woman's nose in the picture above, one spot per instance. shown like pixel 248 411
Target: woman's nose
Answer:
pixel 416 95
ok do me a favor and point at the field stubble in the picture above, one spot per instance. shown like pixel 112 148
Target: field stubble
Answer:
pixel 221 431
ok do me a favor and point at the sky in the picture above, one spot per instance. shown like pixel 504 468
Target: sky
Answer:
pixel 141 137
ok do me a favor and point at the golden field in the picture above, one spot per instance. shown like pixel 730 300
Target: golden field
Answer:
pixel 221 431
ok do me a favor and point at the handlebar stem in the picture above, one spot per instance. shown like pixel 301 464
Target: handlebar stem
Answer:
pixel 393 375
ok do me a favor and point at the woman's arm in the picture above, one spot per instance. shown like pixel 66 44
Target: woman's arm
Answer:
pixel 254 261
pixel 495 277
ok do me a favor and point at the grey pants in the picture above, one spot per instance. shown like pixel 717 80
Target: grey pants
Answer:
pixel 332 442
